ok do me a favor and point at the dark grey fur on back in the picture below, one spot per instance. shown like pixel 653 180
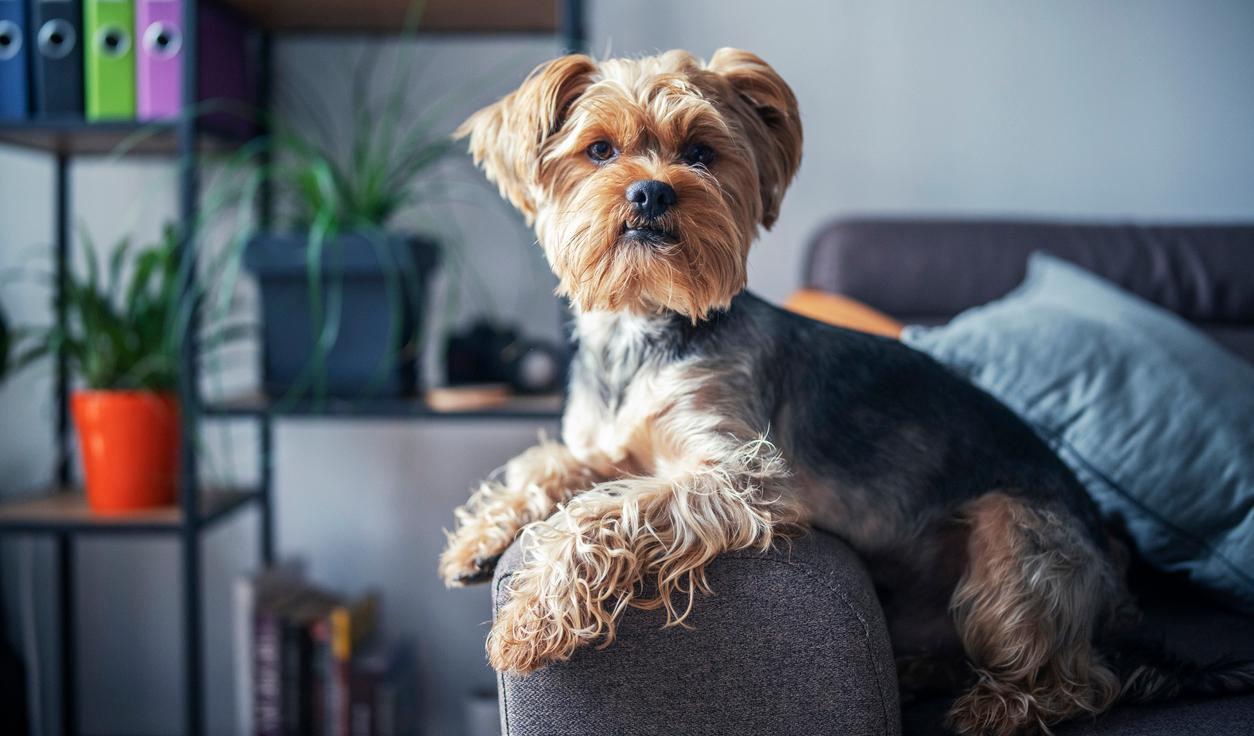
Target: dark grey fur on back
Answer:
pixel 884 443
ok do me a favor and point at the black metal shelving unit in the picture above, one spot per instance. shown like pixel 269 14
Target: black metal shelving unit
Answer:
pixel 61 512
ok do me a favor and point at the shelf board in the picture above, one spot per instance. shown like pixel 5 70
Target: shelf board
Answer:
pixel 77 137
pixel 548 407
pixel 66 510
pixel 438 16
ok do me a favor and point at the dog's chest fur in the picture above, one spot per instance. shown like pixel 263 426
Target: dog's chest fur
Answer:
pixel 638 396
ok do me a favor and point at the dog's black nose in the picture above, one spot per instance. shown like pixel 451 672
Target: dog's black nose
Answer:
pixel 651 198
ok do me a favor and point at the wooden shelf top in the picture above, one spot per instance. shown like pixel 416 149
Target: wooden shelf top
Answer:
pixel 544 407
pixel 66 510
pixel 77 137
pixel 438 16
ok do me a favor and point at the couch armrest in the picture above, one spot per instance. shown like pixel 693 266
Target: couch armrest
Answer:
pixel 791 642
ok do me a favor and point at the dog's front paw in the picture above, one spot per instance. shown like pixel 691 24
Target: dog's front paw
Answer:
pixel 480 571
pixel 486 525
pixel 528 635
pixel 467 560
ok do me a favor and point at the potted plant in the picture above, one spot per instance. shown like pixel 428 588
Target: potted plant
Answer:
pixel 121 337
pixel 343 292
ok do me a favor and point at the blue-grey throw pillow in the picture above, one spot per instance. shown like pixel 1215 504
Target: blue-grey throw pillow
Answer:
pixel 1155 419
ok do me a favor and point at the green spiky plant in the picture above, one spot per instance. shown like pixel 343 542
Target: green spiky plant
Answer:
pixel 123 324
pixel 360 182
pixel 330 187
pixel 363 184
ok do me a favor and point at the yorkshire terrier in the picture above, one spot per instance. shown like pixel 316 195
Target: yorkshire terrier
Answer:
pixel 702 420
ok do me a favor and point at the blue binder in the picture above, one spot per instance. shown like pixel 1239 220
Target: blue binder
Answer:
pixel 13 53
pixel 56 58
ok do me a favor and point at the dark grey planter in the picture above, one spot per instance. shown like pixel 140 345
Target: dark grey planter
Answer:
pixel 374 353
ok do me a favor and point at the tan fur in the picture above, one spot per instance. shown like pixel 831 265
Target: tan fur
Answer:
pixel 1027 607
pixel 684 490
pixel 532 145
pixel 530 488
pixel 588 562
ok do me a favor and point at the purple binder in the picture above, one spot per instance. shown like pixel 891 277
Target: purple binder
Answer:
pixel 159 61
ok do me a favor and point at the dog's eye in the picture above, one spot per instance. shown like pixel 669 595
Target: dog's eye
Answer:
pixel 601 151
pixel 698 154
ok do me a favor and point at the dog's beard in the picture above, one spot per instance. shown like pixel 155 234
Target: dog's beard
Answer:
pixel 691 260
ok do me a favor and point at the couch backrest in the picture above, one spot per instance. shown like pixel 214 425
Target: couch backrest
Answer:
pixel 926 271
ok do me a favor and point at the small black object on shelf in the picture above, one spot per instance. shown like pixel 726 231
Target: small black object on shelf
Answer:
pixel 489 353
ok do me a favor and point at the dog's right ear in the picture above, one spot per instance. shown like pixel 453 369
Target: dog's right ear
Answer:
pixel 506 137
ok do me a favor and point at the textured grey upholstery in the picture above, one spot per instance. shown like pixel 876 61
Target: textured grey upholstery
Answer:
pixel 792 642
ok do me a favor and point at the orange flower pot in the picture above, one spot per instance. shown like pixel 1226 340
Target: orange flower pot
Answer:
pixel 130 445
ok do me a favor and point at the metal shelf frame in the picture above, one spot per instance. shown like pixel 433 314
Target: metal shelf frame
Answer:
pixel 62 514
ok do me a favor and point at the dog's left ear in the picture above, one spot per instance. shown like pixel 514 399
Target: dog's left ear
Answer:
pixel 506 137
pixel 772 122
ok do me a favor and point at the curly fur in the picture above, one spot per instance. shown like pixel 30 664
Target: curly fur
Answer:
pixel 1027 610
pixel 592 559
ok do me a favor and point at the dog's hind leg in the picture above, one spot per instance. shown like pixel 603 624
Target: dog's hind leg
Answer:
pixel 530 488
pixel 1027 608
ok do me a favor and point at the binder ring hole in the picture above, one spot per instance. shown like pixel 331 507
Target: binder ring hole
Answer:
pixel 57 39
pixel 163 40
pixel 113 41
pixel 10 40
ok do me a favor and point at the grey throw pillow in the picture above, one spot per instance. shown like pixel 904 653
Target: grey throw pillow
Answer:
pixel 1155 419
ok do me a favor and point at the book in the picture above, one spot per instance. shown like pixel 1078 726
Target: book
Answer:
pixel 298 679
pixel 308 671
pixel 349 628
pixel 248 589
pixel 384 693
pixel 364 679
pixel 396 695
pixel 268 657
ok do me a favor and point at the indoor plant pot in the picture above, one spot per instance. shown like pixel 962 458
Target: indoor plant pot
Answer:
pixel 372 286
pixel 121 334
pixel 130 447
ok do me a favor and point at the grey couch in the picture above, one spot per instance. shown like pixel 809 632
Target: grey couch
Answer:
pixel 793 642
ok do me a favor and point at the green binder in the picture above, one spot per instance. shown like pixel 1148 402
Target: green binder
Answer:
pixel 109 59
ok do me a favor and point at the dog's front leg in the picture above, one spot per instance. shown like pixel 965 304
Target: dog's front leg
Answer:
pixel 530 487
pixel 603 550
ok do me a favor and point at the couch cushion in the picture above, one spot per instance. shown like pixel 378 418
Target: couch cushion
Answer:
pixel 791 642
pixel 1152 417
pixel 842 311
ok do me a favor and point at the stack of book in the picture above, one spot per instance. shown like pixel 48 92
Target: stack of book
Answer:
pixel 307 663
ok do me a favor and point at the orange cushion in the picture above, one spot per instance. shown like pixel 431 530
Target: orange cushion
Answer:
pixel 842 312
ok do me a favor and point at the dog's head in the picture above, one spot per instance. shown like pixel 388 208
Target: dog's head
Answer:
pixel 646 179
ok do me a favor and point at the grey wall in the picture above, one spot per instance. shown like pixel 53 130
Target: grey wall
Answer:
pixel 1073 108
pixel 1059 108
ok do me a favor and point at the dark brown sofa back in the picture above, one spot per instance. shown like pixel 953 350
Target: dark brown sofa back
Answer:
pixel 926 271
